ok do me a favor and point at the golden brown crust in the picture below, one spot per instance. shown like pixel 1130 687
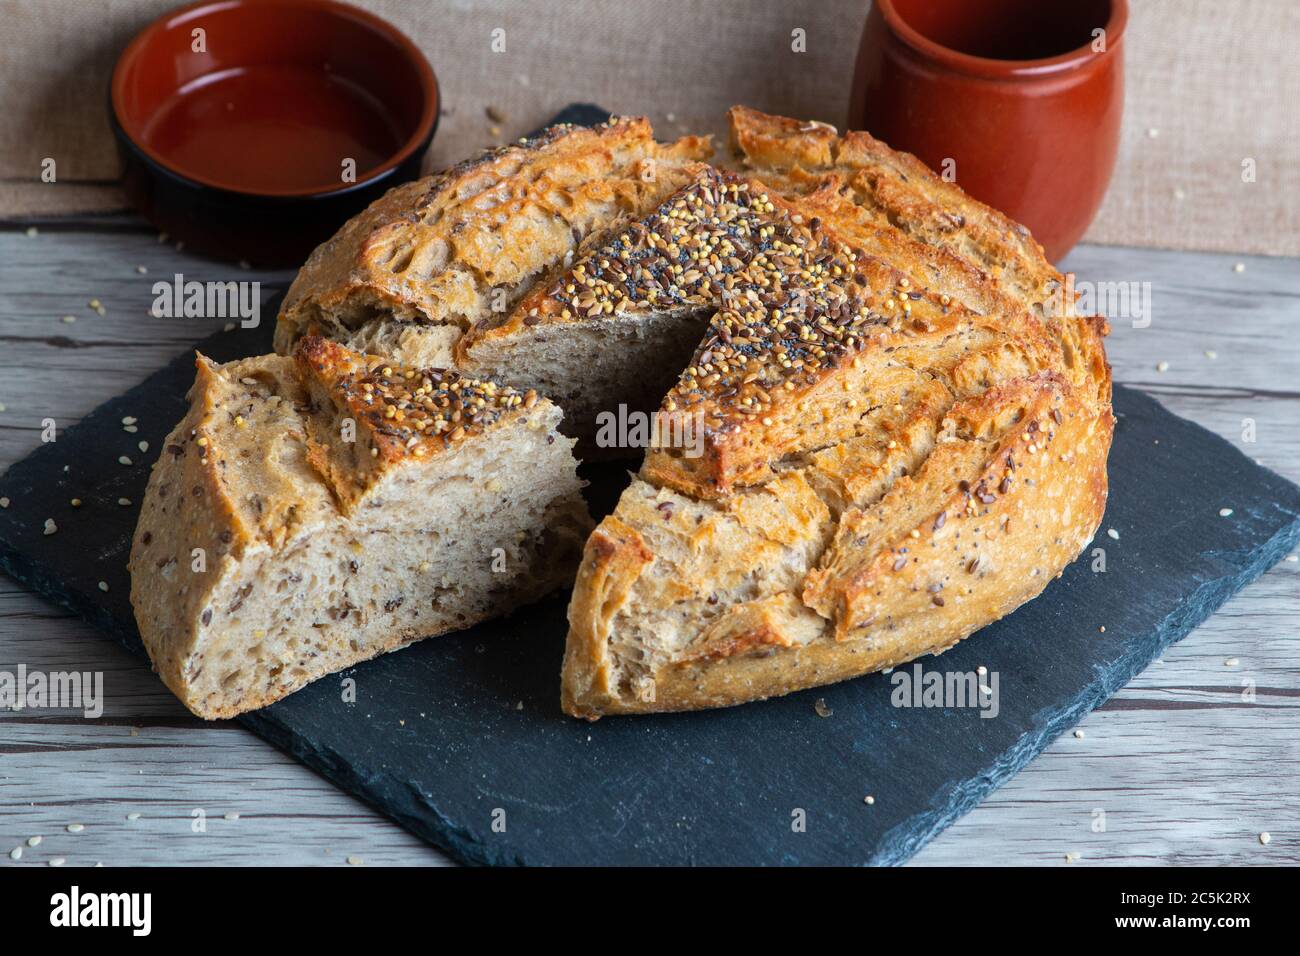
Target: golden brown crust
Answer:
pixel 440 249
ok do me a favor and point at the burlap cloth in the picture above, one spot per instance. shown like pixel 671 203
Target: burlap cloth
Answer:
pixel 1210 83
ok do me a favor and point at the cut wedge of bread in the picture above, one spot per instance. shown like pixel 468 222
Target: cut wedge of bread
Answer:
pixel 314 511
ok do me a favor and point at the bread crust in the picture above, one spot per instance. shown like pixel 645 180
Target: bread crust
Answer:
pixel 441 250
pixel 977 474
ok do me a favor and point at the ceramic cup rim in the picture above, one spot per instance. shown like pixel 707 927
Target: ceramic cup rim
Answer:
pixel 992 68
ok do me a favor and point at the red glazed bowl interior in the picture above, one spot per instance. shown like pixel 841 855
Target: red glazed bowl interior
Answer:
pixel 276 95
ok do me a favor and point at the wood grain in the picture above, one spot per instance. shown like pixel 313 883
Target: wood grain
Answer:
pixel 1185 770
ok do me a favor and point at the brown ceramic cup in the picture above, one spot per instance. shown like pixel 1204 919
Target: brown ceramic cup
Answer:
pixel 1019 101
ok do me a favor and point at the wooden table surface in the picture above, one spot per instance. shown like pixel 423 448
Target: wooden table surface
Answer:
pixel 1177 768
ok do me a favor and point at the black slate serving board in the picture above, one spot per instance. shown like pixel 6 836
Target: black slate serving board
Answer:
pixel 458 735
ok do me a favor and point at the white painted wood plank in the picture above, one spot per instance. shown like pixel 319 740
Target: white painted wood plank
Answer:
pixel 1185 771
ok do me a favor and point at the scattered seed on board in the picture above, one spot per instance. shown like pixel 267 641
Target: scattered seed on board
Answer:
pixel 58 861
pixel 231 816
pixel 1225 512
pixel 1211 354
pixel 103 586
pixel 1231 662
pixel 75 502
pixel 76 827
pixel 69 319
pixel 132 817
pixel 124 502
pixel 1072 856
pixel 143 446
pixel 50 526
pixel 124 460
pixel 1078 735
pixel 1239 267
pixel 868 799
pixel 1112 533
pixel 16 853
pixel 981 670
pixel 355 861
pixel 819 705
pixel 34 841
pixel 32 232
pixel 1265 837
pixel 4 502
pixel 1162 366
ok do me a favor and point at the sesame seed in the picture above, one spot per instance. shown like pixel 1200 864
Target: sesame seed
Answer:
pixel 4 502
pixel 819 705
pixel 1211 354
pixel 32 232
pixel 1225 512
pixel 69 319
pixel 16 853
pixel 34 841
pixel 1071 857
pixel 355 861
pixel 50 526
pixel 1231 662
pixel 75 827
pixel 143 446
pixel 1239 267
pixel 123 460
pixel 231 816
pixel 1078 734
pixel 869 800
pixel 57 861
pixel 132 817
pixel 103 586
pixel 1112 533
pixel 1265 837
pixel 75 502
pixel 124 502
pixel 1162 366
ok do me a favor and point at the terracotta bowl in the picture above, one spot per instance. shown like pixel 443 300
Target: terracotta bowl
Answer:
pixel 1018 100
pixel 252 129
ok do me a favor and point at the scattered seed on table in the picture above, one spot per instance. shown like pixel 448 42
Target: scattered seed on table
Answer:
pixel 32 232
pixel 50 526
pixel 1225 512
pixel 124 502
pixel 1162 366
pixel 1072 856
pixel 819 705
pixel 75 502
pixel 1112 533
pixel 355 861
pixel 34 841
pixel 1265 837
pixel 103 586
pixel 4 502
pixel 868 799
pixel 58 861
pixel 69 319
pixel 231 816
pixel 1211 354
pixel 132 817
pixel 124 460
pixel 1239 267
pixel 143 446
pixel 1231 662
pixel 1078 734
pixel 130 429
pixel 16 853
pixel 129 420
pixel 142 270
pixel 76 827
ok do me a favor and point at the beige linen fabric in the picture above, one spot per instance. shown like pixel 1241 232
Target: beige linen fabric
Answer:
pixel 1211 83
